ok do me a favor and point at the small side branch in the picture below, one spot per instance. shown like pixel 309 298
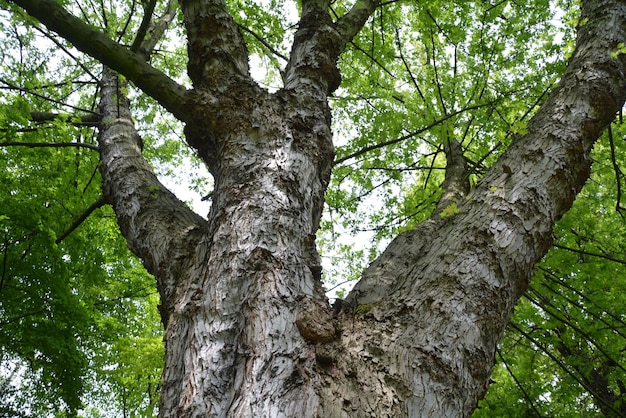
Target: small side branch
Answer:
pixel 369 148
pixel 50 145
pixel 456 184
pixel 96 205
pixel 11 86
pixel 97 44
pixel 619 175
pixel 591 254
pixel 528 398
pixel 87 119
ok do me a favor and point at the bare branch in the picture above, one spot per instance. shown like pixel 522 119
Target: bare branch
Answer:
pixel 581 296
pixel 598 255
pixel 406 65
pixel 535 298
pixel 50 145
pixel 619 175
pixel 373 59
pixel 97 204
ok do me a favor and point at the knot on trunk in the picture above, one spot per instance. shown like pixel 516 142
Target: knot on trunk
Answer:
pixel 315 323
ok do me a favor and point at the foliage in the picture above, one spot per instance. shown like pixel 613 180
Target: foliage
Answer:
pixel 442 72
pixel 71 309
pixel 78 317
pixel 563 354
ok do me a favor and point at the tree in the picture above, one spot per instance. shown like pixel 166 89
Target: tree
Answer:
pixel 249 331
pixel 78 316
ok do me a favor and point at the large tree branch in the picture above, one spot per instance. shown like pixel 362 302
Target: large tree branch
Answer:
pixel 145 43
pixel 318 42
pixel 456 183
pixel 351 23
pixel 218 56
pixel 454 298
pixel 95 43
pixel 538 177
pixel 158 227
pixel 143 26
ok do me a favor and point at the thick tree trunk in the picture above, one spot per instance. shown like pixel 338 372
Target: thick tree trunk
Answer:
pixel 248 330
pixel 233 346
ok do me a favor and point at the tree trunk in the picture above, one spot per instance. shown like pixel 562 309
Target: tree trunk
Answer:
pixel 249 332
pixel 233 346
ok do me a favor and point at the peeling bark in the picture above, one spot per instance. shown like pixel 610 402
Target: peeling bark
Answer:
pixel 237 322
pixel 158 227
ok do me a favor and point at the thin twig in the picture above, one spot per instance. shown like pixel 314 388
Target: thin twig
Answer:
pixel 604 256
pixel 41 96
pixel 264 43
pixel 409 135
pixel 518 383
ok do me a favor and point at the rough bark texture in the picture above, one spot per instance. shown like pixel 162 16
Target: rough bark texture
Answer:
pixel 248 330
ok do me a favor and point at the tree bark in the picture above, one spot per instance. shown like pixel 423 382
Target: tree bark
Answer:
pixel 249 332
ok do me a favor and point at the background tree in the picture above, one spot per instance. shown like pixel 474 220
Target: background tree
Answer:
pixel 248 329
pixel 79 319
